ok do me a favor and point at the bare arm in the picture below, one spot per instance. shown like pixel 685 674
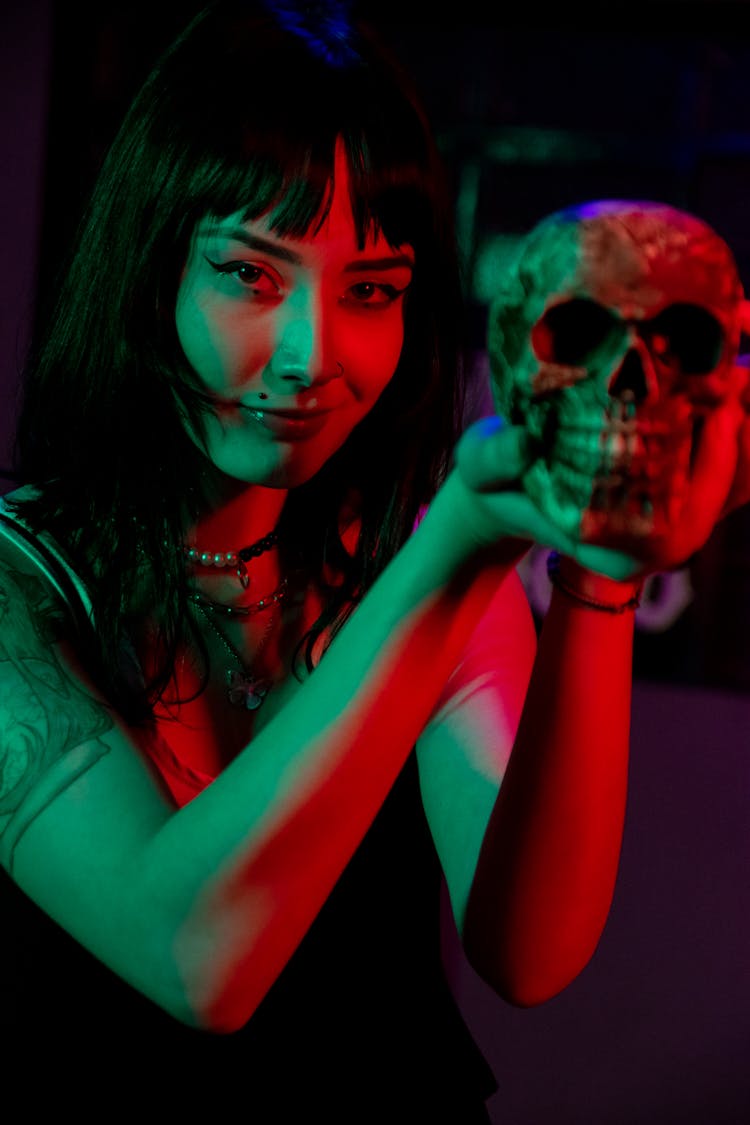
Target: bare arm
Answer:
pixel 201 908
pixel 524 777
pixel 549 859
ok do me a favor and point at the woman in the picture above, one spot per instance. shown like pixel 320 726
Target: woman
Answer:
pixel 253 715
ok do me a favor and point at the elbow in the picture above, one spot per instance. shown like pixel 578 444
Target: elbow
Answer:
pixel 218 1003
pixel 528 961
pixel 219 1015
pixel 525 977
pixel 526 986
pixel 522 990
pixel 176 1003
pixel 213 1019
pixel 225 1016
pixel 212 1023
pixel 192 997
pixel 199 967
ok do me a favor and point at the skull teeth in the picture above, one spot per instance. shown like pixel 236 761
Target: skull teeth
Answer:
pixel 619 448
pixel 624 465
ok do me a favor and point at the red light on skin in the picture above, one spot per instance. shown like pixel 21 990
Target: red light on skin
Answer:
pixel 289 425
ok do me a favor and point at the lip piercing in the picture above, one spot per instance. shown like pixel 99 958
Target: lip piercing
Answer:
pixel 262 394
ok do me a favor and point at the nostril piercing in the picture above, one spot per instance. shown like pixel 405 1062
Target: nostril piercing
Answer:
pixel 340 367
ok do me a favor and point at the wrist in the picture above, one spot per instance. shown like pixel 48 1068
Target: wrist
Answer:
pixel 588 588
pixel 465 533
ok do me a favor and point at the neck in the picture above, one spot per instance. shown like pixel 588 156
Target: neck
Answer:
pixel 243 515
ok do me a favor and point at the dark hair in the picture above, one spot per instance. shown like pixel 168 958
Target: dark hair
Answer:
pixel 241 113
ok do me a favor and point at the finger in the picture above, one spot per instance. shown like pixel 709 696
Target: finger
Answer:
pixel 739 492
pixel 711 476
pixel 491 454
pixel 713 472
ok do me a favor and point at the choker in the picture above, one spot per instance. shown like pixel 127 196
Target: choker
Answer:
pixel 266 602
pixel 234 559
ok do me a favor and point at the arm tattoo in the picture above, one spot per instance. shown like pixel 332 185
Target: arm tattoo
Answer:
pixel 44 713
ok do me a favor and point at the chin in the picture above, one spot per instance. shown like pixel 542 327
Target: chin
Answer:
pixel 285 474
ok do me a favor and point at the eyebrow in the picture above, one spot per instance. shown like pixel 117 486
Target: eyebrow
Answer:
pixel 392 262
pixel 255 242
pixel 274 249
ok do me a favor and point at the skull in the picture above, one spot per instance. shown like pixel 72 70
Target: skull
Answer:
pixel 612 339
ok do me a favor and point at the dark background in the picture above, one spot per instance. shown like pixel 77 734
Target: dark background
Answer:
pixel 533 111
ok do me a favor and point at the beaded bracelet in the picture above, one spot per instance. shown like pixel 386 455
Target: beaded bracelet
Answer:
pixel 553 573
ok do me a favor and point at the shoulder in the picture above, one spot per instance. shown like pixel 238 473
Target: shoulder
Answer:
pixel 45 709
pixel 29 601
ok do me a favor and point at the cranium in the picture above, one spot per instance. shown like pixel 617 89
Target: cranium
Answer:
pixel 613 337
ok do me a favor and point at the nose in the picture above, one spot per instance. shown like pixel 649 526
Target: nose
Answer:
pixel 294 358
pixel 635 379
pixel 302 355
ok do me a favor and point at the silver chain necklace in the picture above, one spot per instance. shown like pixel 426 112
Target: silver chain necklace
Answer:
pixel 244 688
pixel 273 598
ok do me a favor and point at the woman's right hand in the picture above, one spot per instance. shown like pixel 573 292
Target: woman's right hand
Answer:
pixel 490 459
pixel 492 456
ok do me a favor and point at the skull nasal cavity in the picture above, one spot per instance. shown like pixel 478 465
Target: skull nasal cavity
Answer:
pixel 629 381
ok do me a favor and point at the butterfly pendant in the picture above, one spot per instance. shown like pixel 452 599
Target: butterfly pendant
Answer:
pixel 244 691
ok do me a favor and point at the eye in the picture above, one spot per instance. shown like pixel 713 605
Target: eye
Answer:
pixel 688 337
pixel 569 334
pixel 256 278
pixel 372 294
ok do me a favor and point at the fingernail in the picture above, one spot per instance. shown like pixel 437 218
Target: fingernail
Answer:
pixel 485 427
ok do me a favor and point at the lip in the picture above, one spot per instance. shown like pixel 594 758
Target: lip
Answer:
pixel 288 423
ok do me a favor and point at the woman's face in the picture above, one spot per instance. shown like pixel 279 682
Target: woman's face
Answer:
pixel 295 339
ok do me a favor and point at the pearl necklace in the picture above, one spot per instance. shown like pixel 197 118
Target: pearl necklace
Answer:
pixel 236 559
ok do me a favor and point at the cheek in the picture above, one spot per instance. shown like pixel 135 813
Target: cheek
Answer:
pixel 217 344
pixel 370 356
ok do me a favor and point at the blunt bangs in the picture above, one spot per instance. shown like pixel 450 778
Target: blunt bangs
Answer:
pixel 295 189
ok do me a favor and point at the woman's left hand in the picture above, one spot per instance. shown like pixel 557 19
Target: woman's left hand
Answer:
pixel 739 493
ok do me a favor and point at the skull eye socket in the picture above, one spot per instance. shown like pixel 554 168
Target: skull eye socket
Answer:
pixel 568 334
pixel 686 337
